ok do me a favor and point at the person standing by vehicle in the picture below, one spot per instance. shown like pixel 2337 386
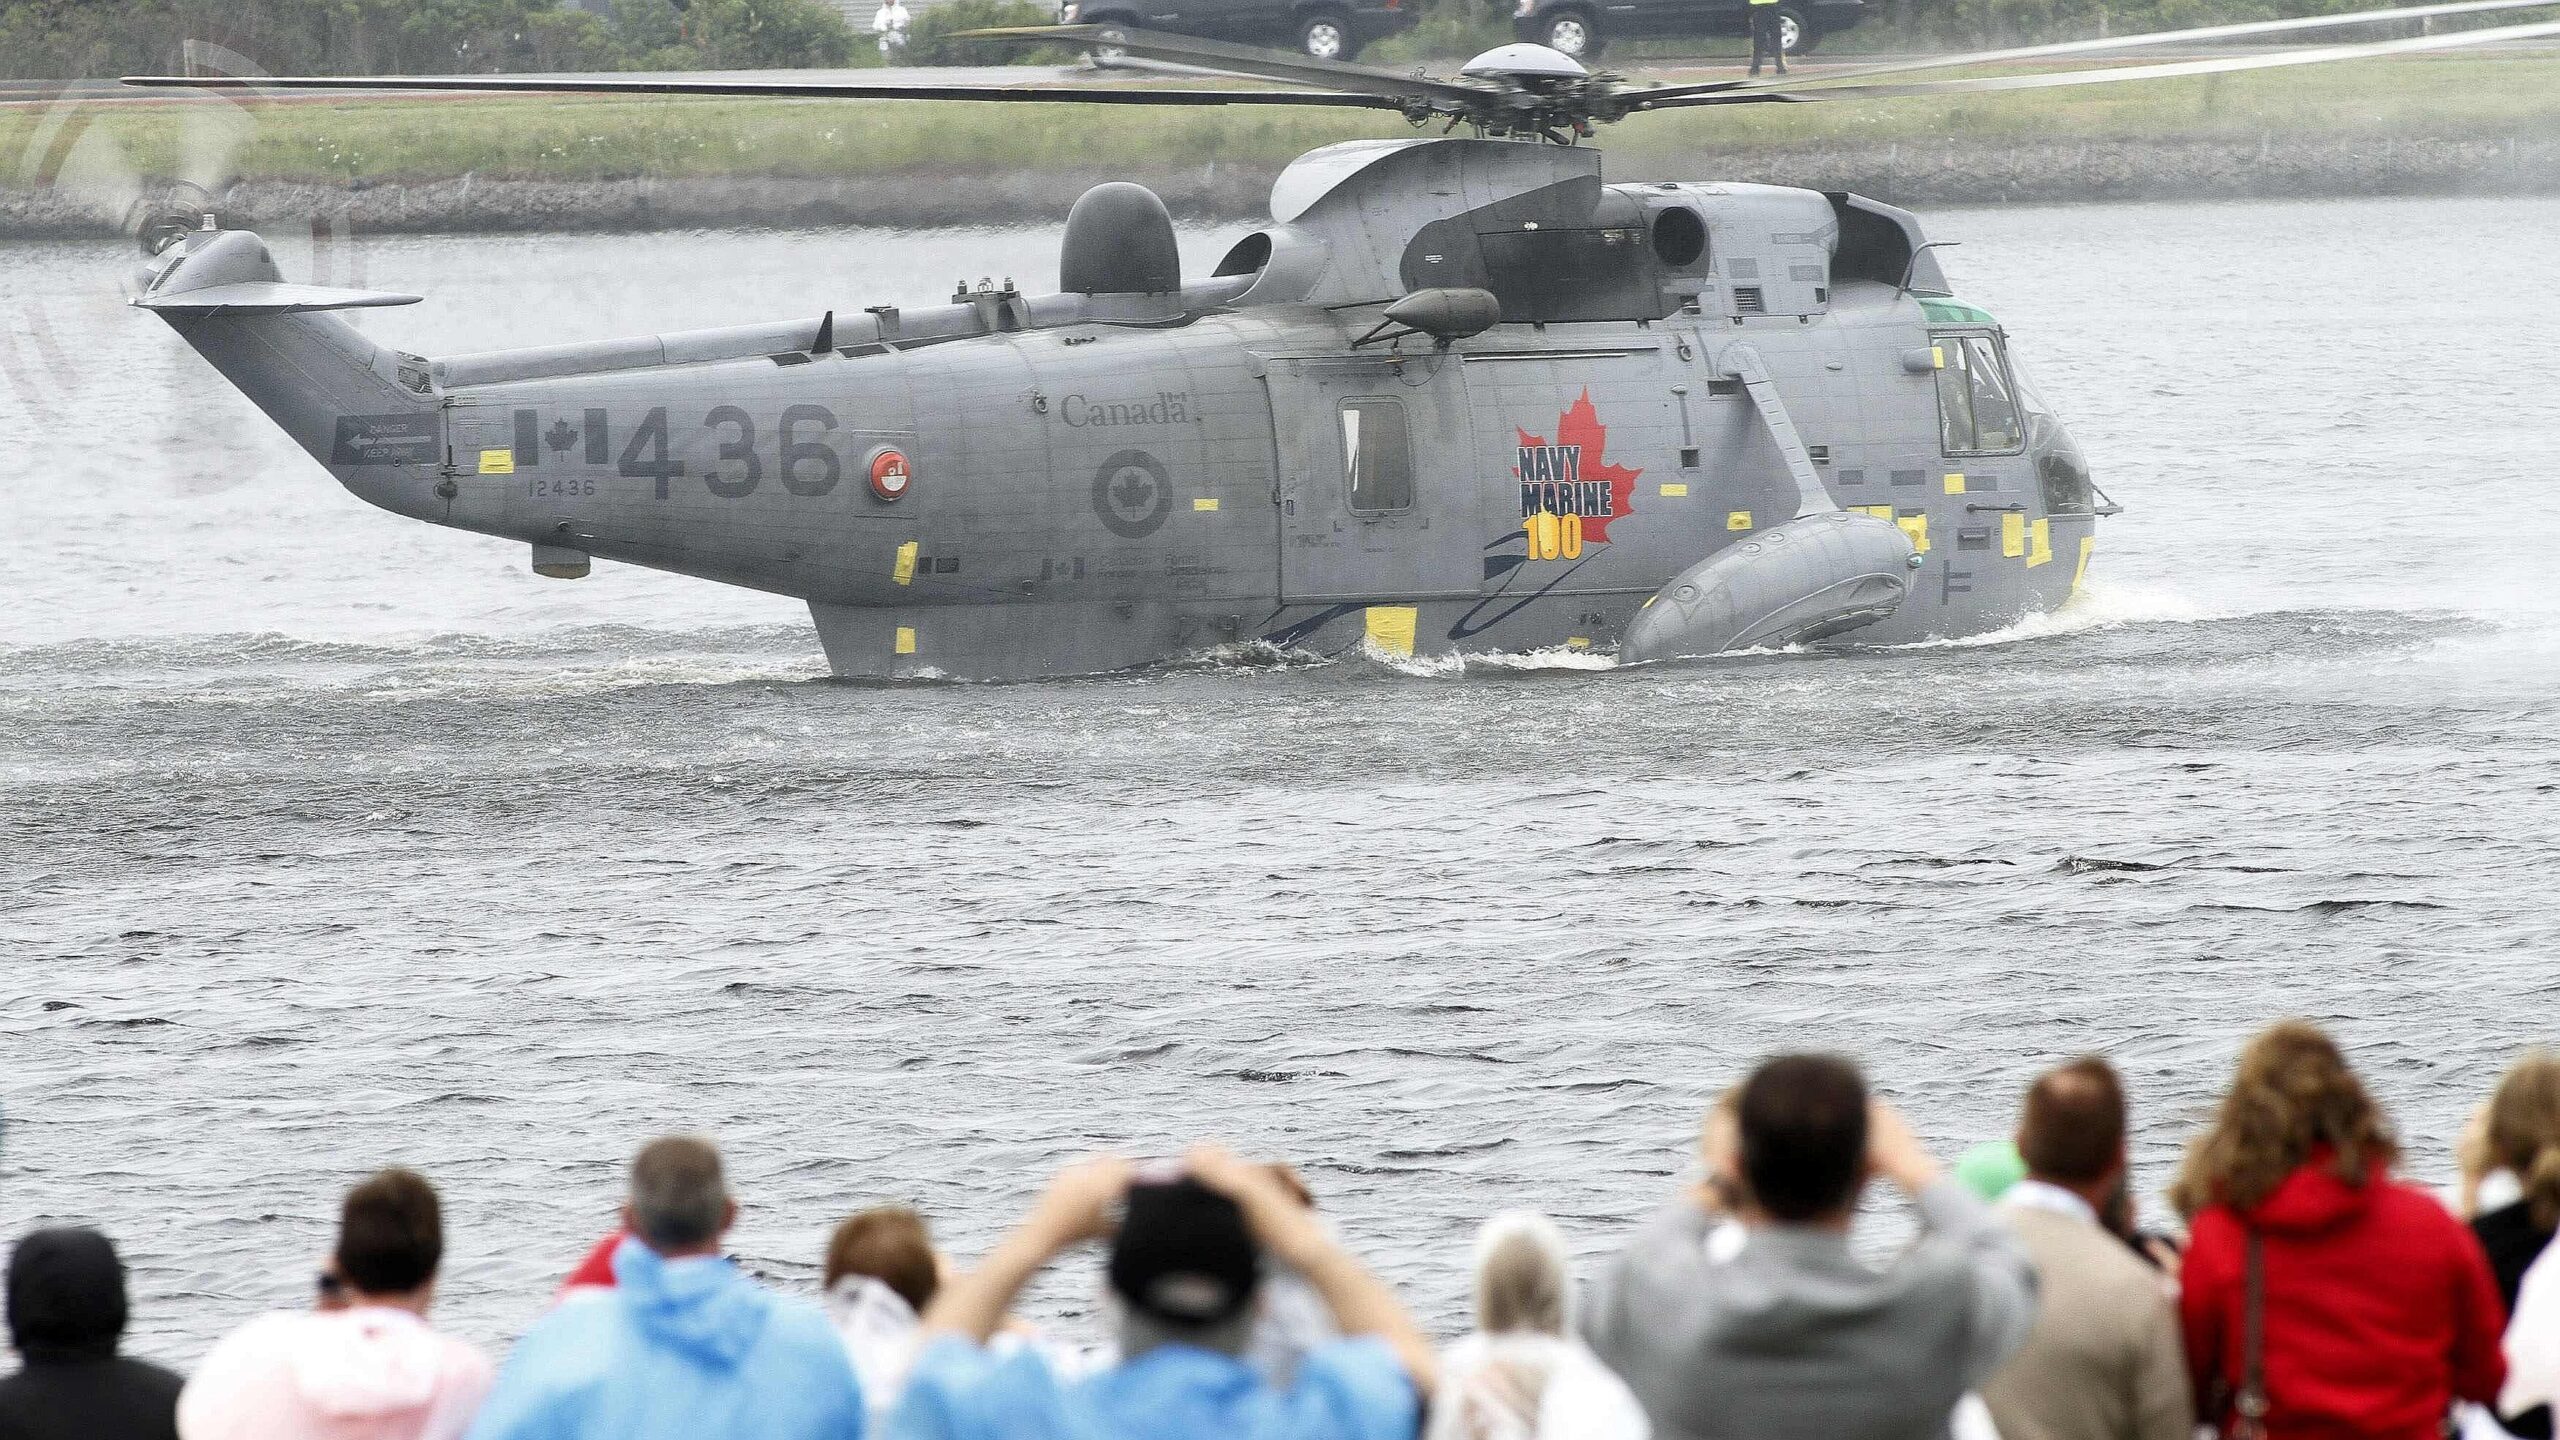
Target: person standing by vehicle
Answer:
pixel 889 22
pixel 1766 37
pixel 2320 1295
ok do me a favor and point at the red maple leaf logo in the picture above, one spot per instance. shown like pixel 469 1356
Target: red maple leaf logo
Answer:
pixel 1580 426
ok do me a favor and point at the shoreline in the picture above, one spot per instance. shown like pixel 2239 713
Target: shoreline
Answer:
pixel 1916 174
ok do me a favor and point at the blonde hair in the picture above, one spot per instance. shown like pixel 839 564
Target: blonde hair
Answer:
pixel 2524 1131
pixel 2291 1093
pixel 1522 1279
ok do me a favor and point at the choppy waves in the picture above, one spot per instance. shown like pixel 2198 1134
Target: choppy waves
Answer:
pixel 332 840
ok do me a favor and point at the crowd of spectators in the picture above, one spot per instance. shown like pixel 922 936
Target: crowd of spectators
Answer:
pixel 2314 1293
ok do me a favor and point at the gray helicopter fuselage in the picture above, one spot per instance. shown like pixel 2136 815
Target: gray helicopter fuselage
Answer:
pixel 1114 477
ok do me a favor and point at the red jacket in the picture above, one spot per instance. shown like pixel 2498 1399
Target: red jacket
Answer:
pixel 596 1270
pixel 2380 1309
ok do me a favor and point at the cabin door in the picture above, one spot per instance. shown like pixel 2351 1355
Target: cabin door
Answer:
pixel 1377 500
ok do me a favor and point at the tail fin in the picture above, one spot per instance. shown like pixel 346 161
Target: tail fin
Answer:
pixel 367 413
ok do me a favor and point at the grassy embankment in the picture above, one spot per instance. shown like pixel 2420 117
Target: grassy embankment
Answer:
pixel 369 140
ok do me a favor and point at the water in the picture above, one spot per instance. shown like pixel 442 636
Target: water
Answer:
pixel 334 840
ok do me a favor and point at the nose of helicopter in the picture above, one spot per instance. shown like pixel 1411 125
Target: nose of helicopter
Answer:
pixel 2062 471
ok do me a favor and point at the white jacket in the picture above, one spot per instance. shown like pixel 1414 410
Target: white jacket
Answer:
pixel 1523 1385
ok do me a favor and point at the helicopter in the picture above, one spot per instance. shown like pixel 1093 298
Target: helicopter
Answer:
pixel 1461 395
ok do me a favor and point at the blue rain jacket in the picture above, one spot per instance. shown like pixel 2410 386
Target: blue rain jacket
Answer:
pixel 677 1350
pixel 1347 1390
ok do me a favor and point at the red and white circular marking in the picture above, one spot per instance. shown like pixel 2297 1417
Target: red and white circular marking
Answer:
pixel 890 474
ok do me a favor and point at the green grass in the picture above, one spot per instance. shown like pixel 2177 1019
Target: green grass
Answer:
pixel 377 140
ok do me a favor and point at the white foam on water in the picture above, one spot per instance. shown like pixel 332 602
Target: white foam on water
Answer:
pixel 2098 606
pixel 1454 665
pixel 1553 657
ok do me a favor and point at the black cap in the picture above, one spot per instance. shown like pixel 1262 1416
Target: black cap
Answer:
pixel 1183 1255
pixel 66 1294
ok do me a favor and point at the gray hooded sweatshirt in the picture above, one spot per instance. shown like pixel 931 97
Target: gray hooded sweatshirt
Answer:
pixel 1791 1336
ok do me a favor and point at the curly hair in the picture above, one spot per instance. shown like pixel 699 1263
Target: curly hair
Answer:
pixel 2524 1131
pixel 2290 1093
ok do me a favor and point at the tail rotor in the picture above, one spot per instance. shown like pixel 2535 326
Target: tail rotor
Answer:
pixel 82 164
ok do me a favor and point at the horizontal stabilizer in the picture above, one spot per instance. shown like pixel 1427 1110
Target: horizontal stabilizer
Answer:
pixel 267 297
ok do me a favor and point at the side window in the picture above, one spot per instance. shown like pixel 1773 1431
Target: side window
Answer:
pixel 1377 456
pixel 1955 397
pixel 1977 401
pixel 1995 403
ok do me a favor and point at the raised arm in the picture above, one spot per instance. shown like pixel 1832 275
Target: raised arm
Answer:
pixel 1360 1302
pixel 1078 1206
pixel 2004 1280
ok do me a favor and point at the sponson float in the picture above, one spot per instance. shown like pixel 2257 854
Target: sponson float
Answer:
pixel 1460 394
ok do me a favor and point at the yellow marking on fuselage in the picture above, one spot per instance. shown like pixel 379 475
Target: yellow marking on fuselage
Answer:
pixel 1391 628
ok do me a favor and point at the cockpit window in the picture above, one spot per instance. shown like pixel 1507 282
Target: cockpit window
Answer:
pixel 1377 456
pixel 1977 401
pixel 1995 404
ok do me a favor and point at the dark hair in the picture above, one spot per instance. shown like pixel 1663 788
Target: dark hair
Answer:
pixel 889 1244
pixel 2073 1130
pixel 390 1234
pixel 679 1197
pixel 1804 1135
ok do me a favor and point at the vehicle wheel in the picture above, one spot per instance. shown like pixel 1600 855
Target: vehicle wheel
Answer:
pixel 1572 32
pixel 1794 35
pixel 1110 43
pixel 1326 35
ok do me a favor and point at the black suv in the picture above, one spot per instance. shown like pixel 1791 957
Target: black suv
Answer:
pixel 1580 27
pixel 1326 29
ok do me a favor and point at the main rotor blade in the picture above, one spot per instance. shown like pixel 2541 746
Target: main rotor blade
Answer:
pixel 1254 62
pixel 2112 43
pixel 2316 55
pixel 214 135
pixel 767 89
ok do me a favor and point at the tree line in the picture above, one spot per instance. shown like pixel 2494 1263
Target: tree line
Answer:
pixel 64 39
pixel 67 39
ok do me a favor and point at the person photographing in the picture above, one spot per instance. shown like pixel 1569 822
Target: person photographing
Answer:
pixel 1188 1252
pixel 1776 1329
